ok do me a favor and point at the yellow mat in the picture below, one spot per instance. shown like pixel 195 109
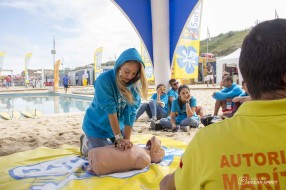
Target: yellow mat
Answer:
pixel 45 168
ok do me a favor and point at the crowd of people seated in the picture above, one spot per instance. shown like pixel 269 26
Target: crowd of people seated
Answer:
pixel 178 109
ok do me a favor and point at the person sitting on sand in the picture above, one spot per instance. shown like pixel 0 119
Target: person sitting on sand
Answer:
pixel 243 97
pixel 230 91
pixel 157 107
pixel 173 94
pixel 183 111
pixel 108 159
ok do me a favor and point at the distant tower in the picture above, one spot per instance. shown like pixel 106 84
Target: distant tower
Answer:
pixel 53 51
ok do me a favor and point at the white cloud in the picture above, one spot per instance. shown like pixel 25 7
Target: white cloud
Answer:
pixel 82 26
pixel 79 28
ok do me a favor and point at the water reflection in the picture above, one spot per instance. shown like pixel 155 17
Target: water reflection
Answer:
pixel 65 103
pixel 44 103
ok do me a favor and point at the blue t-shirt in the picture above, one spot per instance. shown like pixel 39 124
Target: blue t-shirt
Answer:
pixel 243 94
pixel 163 98
pixel 173 93
pixel 182 113
pixel 231 92
pixel 65 80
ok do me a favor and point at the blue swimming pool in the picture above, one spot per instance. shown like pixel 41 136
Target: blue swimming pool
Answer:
pixel 47 103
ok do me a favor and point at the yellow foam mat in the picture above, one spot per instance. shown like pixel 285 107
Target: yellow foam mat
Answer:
pixel 45 168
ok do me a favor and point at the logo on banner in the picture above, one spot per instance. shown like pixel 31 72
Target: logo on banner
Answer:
pixel 187 58
pixel 193 26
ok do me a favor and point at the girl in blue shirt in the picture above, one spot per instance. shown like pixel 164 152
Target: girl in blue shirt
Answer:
pixel 110 117
pixel 157 107
pixel 183 111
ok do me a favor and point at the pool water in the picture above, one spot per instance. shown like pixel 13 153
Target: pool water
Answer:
pixel 47 103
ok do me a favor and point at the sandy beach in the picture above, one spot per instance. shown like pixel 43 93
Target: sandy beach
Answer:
pixel 56 130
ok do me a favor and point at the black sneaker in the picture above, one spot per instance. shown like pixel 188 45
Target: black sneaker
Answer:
pixel 155 126
pixel 158 127
pixel 152 125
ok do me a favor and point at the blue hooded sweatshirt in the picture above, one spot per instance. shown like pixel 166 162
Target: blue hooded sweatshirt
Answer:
pixel 108 100
pixel 230 92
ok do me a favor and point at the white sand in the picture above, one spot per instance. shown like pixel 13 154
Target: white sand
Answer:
pixel 56 130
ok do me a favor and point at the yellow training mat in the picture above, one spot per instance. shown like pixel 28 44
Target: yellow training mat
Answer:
pixel 45 168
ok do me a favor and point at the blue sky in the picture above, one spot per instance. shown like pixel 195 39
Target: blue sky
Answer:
pixel 80 27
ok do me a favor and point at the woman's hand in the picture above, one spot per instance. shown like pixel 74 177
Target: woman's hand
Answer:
pixel 123 144
pixel 188 98
pixel 241 99
pixel 162 104
pixel 236 99
pixel 159 92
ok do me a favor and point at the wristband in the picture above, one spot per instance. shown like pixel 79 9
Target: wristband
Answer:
pixel 119 136
pixel 187 102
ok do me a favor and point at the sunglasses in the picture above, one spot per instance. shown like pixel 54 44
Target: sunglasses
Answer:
pixel 175 83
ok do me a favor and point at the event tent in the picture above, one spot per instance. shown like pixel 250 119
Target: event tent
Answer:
pixel 230 60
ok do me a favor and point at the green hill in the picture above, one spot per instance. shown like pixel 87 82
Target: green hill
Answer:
pixel 224 44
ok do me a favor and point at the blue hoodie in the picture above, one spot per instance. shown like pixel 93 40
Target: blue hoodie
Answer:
pixel 108 100
pixel 230 92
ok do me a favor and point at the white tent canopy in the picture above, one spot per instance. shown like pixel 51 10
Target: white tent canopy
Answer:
pixel 230 60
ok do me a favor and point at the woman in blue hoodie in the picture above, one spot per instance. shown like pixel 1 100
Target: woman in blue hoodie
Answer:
pixel 110 117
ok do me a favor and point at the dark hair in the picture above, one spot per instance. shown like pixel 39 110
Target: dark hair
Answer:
pixel 228 78
pixel 181 87
pixel 159 85
pixel 262 59
pixel 171 81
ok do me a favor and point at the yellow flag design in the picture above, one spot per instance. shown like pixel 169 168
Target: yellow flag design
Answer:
pixel 97 62
pixel 56 75
pixel 185 62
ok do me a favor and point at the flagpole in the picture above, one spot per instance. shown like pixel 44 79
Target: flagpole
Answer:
pixel 207 56
pixel 207 50
pixel 208 37
pixel 276 14
pixel 53 51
